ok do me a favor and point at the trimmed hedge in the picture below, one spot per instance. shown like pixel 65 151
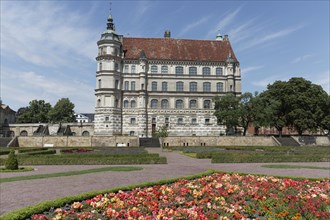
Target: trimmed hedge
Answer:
pixel 89 159
pixel 41 152
pixel 4 152
pixel 25 150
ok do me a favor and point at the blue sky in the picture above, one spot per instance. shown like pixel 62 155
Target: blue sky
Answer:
pixel 48 48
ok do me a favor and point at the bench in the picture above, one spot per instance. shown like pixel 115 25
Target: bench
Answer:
pixel 48 145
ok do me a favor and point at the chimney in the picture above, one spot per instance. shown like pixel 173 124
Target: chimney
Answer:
pixel 167 34
pixel 226 38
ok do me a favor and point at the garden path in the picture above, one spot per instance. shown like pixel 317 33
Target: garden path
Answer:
pixel 14 195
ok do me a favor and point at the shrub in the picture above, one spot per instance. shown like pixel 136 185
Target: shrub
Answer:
pixel 12 162
pixel 31 149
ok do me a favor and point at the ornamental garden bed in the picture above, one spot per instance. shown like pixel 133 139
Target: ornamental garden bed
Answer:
pixel 214 196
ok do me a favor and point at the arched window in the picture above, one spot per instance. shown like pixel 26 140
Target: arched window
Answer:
pixel 164 104
pixel 207 104
pixel 164 86
pixel 85 134
pixel 179 70
pixel 100 84
pixel 192 71
pixel 179 86
pixel 98 103
pixel 126 104
pixel 219 87
pixel 23 133
pixel 164 69
pixel 206 71
pixel 206 87
pixel 126 85
pixel 218 71
pixel 154 69
pixel 154 103
pixel 133 104
pixel 100 66
pixel 154 86
pixel 193 87
pixel 133 86
pixel 116 103
pixel 193 103
pixel 179 103
pixel 133 68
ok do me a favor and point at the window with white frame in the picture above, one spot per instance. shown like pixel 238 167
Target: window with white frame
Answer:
pixel 194 121
pixel 179 70
pixel 206 71
pixel 126 68
pixel 192 71
pixel 164 86
pixel 154 69
pixel 107 118
pixel 126 85
pixel 207 104
pixel 193 87
pixel 179 103
pixel 179 86
pixel 133 121
pixel 126 104
pixel 154 86
pixel 207 121
pixel 219 87
pixel 133 86
pixel 164 69
pixel 218 71
pixel 180 120
pixel 133 104
pixel 154 103
pixel 193 103
pixel 164 104
pixel 133 68
pixel 206 87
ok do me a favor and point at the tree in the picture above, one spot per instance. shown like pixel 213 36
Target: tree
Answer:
pixel 162 132
pixel 247 110
pixel 36 112
pixel 62 111
pixel 227 111
pixel 11 163
pixel 298 104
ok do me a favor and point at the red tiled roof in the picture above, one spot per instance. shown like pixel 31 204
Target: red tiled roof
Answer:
pixel 178 49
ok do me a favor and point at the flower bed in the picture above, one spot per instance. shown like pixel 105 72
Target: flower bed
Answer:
pixel 76 150
pixel 217 196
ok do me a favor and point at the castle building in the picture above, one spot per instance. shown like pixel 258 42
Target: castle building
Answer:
pixel 143 84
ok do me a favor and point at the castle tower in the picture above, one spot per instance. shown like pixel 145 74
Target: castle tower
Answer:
pixel 108 92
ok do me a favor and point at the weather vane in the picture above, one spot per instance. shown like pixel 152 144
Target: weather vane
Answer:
pixel 110 6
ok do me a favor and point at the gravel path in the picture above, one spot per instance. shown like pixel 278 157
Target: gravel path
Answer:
pixel 14 195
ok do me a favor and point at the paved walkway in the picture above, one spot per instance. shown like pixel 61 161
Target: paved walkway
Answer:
pixel 14 195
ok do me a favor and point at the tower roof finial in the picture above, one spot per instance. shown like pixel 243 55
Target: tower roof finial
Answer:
pixel 110 24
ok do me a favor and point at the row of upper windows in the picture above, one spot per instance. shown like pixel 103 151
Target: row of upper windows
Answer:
pixel 179 86
pixel 179 70
pixel 179 121
pixel 164 104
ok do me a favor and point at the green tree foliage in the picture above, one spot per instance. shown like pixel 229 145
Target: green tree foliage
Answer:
pixel 227 111
pixel 162 132
pixel 36 112
pixel 298 104
pixel 62 111
pixel 11 163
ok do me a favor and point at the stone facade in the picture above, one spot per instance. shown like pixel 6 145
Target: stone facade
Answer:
pixel 143 84
pixel 7 116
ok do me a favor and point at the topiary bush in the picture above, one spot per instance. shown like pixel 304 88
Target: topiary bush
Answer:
pixel 12 162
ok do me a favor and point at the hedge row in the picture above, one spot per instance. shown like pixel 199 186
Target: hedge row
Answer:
pixel 41 152
pixel 267 158
pixel 77 159
pixel 25 150
pixel 4 152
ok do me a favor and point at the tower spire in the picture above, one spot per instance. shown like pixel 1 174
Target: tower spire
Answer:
pixel 110 24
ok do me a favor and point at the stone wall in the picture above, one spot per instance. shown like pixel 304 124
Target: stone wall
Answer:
pixel 218 141
pixel 312 140
pixel 75 141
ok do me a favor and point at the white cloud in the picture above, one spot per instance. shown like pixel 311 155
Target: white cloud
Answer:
pixel 21 87
pixel 250 69
pixel 223 22
pixel 193 25
pixel 262 39
pixel 302 58
pixel 45 33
